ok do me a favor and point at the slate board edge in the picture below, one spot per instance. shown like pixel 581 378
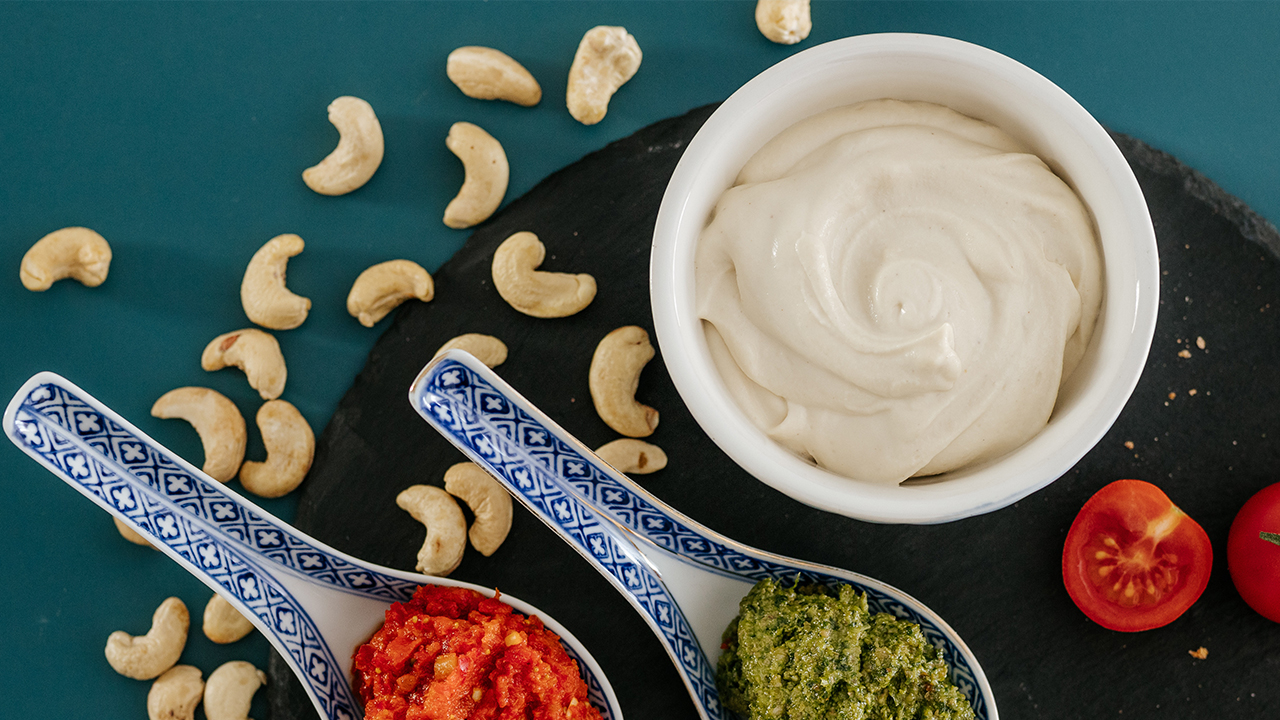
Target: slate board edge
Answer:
pixel 1252 225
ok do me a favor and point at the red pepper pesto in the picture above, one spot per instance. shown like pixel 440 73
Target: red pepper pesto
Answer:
pixel 452 653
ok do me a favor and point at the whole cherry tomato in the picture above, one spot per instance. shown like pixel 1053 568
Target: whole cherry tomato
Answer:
pixel 1133 560
pixel 1253 552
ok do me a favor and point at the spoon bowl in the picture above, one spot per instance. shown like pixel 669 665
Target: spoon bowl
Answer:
pixel 684 579
pixel 313 603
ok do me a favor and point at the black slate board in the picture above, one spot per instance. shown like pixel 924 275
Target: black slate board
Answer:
pixel 995 578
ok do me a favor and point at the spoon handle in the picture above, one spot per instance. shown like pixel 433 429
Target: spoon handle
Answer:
pixel 219 537
pixel 550 472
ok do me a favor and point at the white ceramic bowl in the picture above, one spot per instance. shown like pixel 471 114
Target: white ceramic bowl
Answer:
pixel 977 82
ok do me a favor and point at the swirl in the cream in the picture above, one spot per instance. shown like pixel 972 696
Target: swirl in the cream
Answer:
pixel 894 289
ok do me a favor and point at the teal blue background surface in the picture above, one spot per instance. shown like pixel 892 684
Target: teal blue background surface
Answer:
pixel 179 132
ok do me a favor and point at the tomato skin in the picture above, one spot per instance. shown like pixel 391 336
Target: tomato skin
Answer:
pixel 1133 560
pixel 1254 563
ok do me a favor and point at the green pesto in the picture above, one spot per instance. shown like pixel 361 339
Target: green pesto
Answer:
pixel 795 653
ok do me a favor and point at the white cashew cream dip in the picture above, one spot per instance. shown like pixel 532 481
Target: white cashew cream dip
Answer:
pixel 893 289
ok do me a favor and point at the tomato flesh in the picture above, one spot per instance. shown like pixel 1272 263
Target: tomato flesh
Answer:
pixel 1133 560
pixel 1253 560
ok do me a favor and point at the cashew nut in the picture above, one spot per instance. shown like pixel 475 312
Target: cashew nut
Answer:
pixel 637 457
pixel 446 527
pixel 146 656
pixel 175 695
pixel 607 57
pixel 614 375
pixel 229 692
pixel 217 420
pixel 382 287
pixel 784 21
pixel 486 348
pixel 253 351
pixel 73 252
pixel 486 177
pixel 536 293
pixel 290 448
pixel 487 74
pixel 130 534
pixel 266 300
pixel 488 500
pixel 223 623
pixel 359 151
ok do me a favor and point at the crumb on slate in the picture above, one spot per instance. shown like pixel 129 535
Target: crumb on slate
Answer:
pixel 1128 444
pixel 1200 653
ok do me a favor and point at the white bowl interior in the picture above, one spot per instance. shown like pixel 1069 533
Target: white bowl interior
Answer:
pixel 974 81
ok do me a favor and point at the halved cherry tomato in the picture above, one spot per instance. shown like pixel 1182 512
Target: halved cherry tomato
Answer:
pixel 1134 561
pixel 1253 552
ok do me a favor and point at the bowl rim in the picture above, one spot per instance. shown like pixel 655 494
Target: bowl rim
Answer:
pixel 681 342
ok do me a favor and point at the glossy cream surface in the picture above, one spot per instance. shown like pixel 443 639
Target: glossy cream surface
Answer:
pixel 894 289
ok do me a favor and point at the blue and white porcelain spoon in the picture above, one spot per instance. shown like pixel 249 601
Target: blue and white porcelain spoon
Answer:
pixel 684 579
pixel 315 604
